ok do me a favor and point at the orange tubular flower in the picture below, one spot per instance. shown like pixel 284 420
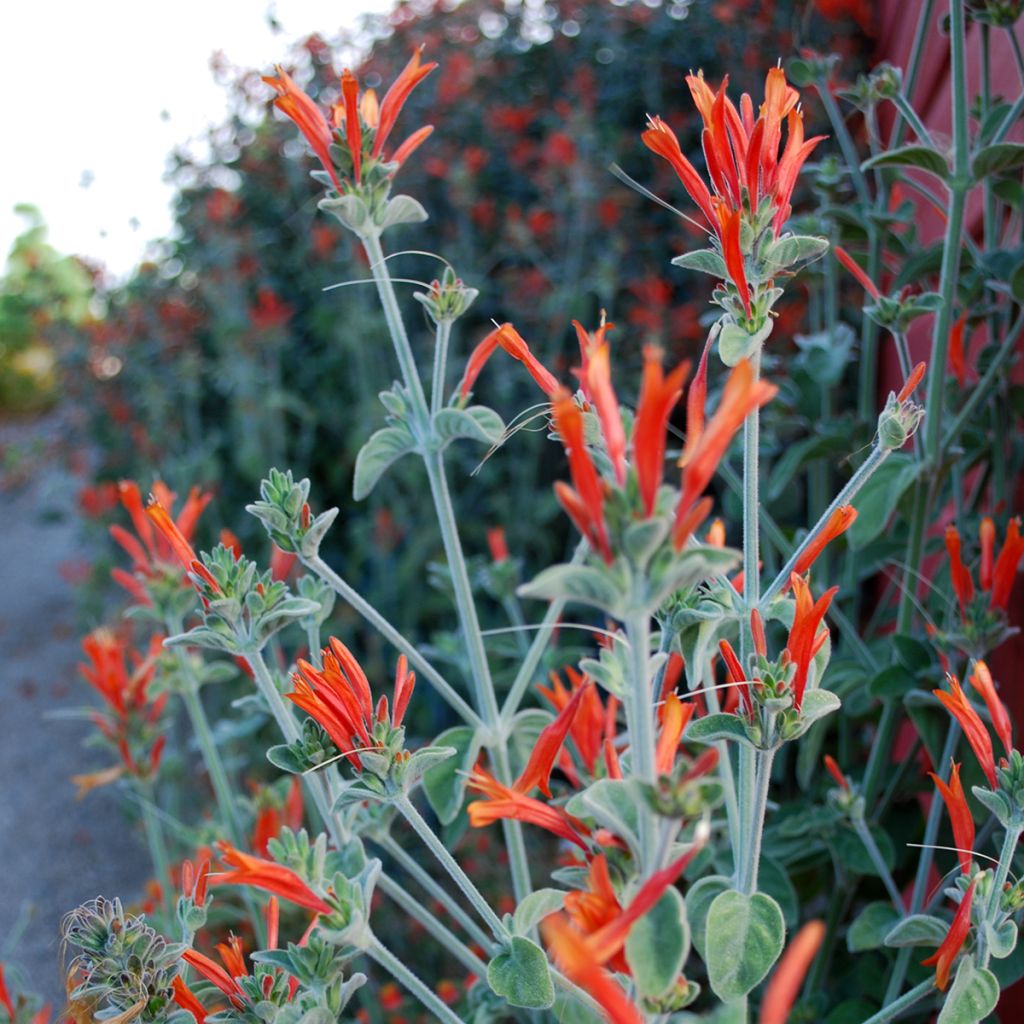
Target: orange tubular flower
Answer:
pixel 981 680
pixel 963 585
pixel 742 154
pixel 537 772
pixel 582 954
pixel 959 815
pixel 186 999
pixel 732 253
pixel 295 104
pixel 910 384
pixel 804 639
pixel 855 268
pixel 598 380
pixel 592 908
pixel 512 342
pixel 737 676
pixel 836 772
pixel 675 715
pixel 658 397
pixel 338 696
pixel 266 875
pixel 1005 571
pixel 838 523
pixel 358 118
pixel 741 396
pixel 5 996
pixel 178 542
pixel 957 704
pixel 957 355
pixel 784 987
pixel 504 802
pixel 589 722
pixel 215 974
pixel 942 959
pixel 584 501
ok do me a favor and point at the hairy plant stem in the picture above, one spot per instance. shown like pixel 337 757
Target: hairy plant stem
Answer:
pixel 924 864
pixel 762 763
pixel 748 795
pixel 437 384
pixel 482 683
pixel 892 1010
pixel 864 473
pixel 401 643
pixel 864 833
pixel 639 709
pixel 445 937
pixel 418 873
pixel 539 644
pixel 433 843
pixel 992 911
pixel 155 839
pixel 411 982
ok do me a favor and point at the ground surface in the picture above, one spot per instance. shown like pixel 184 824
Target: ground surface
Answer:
pixel 55 852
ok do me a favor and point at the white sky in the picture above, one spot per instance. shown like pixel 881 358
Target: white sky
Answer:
pixel 102 91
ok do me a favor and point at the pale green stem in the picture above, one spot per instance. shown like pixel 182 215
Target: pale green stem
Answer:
pixel 905 1002
pixel 541 639
pixel 910 114
pixel 1012 116
pixel 992 910
pixel 418 873
pixel 846 143
pixel 762 761
pixel 155 839
pixel 408 980
pixel 902 352
pixel 272 695
pixel 732 812
pixel 448 862
pixel 483 685
pixel 639 707
pixel 437 387
pixel 747 791
pixel 396 327
pixel 864 833
pixel 437 929
pixel 864 473
pixel 423 667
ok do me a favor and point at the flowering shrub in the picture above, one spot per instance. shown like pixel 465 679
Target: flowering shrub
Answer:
pixel 670 783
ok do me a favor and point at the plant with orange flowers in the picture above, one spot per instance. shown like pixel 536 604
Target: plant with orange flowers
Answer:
pixel 664 821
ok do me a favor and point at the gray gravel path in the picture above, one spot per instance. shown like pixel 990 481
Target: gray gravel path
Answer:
pixel 55 852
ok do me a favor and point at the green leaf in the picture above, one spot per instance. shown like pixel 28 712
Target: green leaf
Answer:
pixel 520 975
pixel 583 583
pixel 687 568
pixel 712 728
pixel 918 930
pixel 998 159
pixel 892 681
pixel 698 902
pixel 478 423
pixel 972 996
pixel 879 497
pixel 790 250
pixel 643 538
pixel 1002 941
pixel 851 851
pixel 734 343
pixel 383 448
pixel 350 210
pixel 423 760
pixel 817 704
pixel 282 756
pixel 871 927
pixel 745 935
pixel 536 907
pixel 707 261
pixel 401 210
pixel 445 784
pixel 924 157
pixel 657 945
pixel 612 803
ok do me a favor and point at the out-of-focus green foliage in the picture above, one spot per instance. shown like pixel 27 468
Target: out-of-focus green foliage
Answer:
pixel 39 288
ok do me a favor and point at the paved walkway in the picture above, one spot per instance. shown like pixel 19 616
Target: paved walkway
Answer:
pixel 55 852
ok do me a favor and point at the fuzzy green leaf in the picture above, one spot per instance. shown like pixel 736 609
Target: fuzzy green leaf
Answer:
pixel 972 996
pixel 376 456
pixel 924 157
pixel 745 935
pixel 520 975
pixel 657 945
